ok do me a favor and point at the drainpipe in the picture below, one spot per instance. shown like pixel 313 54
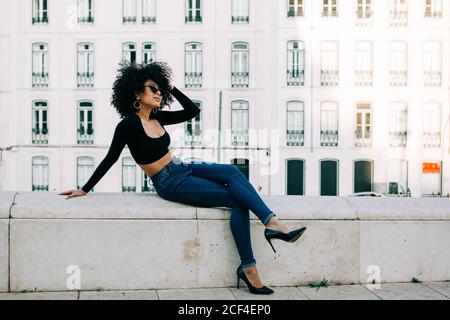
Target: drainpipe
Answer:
pixel 220 127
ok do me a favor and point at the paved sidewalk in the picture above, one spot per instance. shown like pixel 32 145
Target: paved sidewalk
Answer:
pixel 389 291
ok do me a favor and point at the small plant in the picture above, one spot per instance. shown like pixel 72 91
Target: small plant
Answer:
pixel 415 280
pixel 323 283
pixel 436 195
pixel 24 291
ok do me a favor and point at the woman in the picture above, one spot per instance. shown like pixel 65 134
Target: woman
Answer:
pixel 139 93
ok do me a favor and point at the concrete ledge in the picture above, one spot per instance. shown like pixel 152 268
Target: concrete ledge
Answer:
pixel 124 241
pixel 6 201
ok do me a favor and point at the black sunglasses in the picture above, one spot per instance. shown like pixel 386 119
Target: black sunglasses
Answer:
pixel 154 88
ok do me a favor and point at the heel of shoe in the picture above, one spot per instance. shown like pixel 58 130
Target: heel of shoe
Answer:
pixel 270 242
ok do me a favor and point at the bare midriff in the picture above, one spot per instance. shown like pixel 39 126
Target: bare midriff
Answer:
pixel 153 168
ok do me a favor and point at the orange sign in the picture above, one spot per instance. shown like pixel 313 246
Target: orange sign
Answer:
pixel 431 167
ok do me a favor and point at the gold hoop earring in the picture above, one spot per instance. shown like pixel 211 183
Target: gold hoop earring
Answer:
pixel 134 104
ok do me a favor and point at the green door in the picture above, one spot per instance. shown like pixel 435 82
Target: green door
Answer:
pixel 295 173
pixel 363 176
pixel 328 178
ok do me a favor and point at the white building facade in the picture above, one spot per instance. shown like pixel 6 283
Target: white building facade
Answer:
pixel 326 97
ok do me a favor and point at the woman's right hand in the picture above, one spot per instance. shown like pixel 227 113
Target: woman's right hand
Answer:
pixel 73 193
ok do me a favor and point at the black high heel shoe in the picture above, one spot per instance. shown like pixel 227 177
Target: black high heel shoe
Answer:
pixel 291 236
pixel 241 275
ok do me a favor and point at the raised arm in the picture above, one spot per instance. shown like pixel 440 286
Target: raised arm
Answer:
pixel 118 142
pixel 172 117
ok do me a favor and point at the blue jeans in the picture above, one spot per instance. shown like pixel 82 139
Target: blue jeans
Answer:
pixel 208 184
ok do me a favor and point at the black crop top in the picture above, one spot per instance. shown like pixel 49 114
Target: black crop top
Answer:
pixel 144 149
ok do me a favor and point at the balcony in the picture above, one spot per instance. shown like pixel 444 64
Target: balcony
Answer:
pixel 239 19
pixel 363 18
pixel 129 20
pixel 40 136
pixel 399 18
pixel 40 20
pixel 193 139
pixel 364 78
pixel 398 78
pixel 193 79
pixel 328 138
pixel 37 187
pixel 292 13
pixel 363 138
pixel 85 136
pixel 295 77
pixel 128 189
pixel 88 19
pixel 432 78
pixel 40 79
pixel 295 138
pixel 190 18
pixel 329 77
pixel 85 79
pixel 148 19
pixel 42 234
pixel 433 14
pixel 398 138
pixel 432 139
pixel 239 137
pixel 239 79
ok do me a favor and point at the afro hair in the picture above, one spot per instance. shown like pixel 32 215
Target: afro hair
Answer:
pixel 131 77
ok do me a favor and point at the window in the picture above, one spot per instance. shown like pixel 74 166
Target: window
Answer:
pixel 40 125
pixel 193 11
pixel 295 8
pixel 128 175
pixel 398 13
pixel 147 185
pixel 40 11
pixel 330 8
pixel 329 177
pixel 431 178
pixel 239 64
pixel 329 63
pixel 40 65
pixel 148 11
pixel 129 51
pixel 85 67
pixel 397 124
pixel 398 74
pixel 364 12
pixel 397 177
pixel 295 123
pixel 193 128
pixel 329 124
pixel 193 64
pixel 432 73
pixel 295 63
pixel 148 52
pixel 431 125
pixel 363 134
pixel 363 176
pixel 39 173
pixel 239 123
pixel 85 123
pixel 295 174
pixel 239 9
pixel 433 8
pixel 129 11
pixel 85 11
pixel 85 168
pixel 364 63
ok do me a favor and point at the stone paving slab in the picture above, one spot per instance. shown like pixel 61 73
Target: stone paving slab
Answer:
pixel 280 293
pixel 341 292
pixel 119 295
pixel 407 291
pixel 57 295
pixel 441 287
pixel 196 294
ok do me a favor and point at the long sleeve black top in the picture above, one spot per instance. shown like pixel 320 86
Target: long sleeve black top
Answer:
pixel 144 149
